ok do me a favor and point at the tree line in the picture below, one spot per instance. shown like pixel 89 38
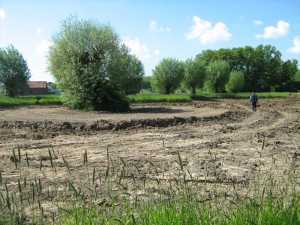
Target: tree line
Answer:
pixel 241 69
pixel 95 70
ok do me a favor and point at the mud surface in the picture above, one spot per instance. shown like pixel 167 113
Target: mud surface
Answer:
pixel 220 141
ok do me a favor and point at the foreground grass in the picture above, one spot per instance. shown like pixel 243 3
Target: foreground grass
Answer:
pixel 187 210
pixel 264 200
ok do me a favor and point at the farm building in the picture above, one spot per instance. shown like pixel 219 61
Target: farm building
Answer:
pixel 35 88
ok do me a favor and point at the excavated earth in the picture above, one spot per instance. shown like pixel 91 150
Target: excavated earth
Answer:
pixel 217 142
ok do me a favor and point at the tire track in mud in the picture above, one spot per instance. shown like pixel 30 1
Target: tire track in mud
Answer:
pixel 260 140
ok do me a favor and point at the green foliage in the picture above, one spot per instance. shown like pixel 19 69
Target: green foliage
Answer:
pixel 107 98
pixel 167 75
pixel 267 62
pixel 217 76
pixel 236 81
pixel 297 76
pixel 263 68
pixel 288 71
pixel 14 71
pixel 127 72
pixel 194 73
pixel 91 66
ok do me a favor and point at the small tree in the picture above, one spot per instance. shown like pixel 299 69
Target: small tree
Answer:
pixel 14 72
pixel 194 73
pixel 167 75
pixel 236 81
pixel 217 76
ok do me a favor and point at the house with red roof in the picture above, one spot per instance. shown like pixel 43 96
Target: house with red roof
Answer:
pixel 35 88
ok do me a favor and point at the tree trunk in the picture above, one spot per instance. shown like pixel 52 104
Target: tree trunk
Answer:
pixel 194 90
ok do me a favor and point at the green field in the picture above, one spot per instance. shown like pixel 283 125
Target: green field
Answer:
pixel 153 97
pixel 142 97
pixel 6 101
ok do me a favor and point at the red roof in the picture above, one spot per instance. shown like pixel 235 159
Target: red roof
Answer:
pixel 37 84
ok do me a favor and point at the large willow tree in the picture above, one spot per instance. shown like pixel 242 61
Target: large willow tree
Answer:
pixel 83 59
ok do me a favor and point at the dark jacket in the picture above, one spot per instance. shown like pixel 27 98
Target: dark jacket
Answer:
pixel 253 98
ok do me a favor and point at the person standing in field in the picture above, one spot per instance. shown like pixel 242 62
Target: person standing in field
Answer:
pixel 253 100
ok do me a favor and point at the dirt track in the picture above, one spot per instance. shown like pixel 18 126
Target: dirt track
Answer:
pixel 220 140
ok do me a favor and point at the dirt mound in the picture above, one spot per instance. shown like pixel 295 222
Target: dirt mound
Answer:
pixel 47 129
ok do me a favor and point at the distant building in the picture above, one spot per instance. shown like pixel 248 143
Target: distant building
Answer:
pixel 35 88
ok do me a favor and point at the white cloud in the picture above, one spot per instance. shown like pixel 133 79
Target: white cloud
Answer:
pixel 258 22
pixel 281 30
pixel 43 47
pixel 208 34
pixel 39 31
pixel 153 27
pixel 296 48
pixel 139 49
pixel 2 14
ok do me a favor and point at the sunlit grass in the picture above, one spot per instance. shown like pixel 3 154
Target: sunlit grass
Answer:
pixel 146 97
pixel 154 97
pixel 263 208
pixel 6 101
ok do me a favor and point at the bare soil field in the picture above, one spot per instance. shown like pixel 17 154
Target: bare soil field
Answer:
pixel 219 143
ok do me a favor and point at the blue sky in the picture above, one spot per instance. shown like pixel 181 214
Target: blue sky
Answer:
pixel 155 29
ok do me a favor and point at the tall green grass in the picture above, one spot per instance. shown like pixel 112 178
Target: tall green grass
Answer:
pixel 6 101
pixel 188 208
pixel 244 95
pixel 153 97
